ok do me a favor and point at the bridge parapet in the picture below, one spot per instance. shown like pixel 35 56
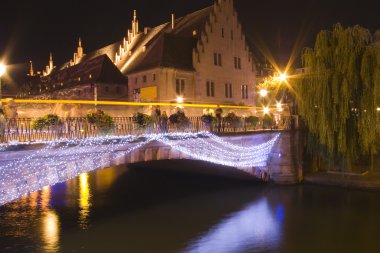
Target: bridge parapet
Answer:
pixel 22 172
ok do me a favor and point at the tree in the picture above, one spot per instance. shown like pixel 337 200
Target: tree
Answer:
pixel 337 96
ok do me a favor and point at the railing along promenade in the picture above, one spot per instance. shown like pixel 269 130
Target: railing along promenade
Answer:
pixel 21 129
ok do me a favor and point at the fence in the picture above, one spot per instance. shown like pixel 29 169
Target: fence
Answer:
pixel 21 129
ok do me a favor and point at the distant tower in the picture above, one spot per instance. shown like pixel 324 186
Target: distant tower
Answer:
pixel 31 71
pixel 51 65
pixel 135 24
pixel 80 49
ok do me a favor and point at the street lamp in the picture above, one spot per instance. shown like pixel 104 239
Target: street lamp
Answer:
pixel 2 71
pixel 180 100
pixel 263 92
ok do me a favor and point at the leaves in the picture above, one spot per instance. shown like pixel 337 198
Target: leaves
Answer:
pixel 337 96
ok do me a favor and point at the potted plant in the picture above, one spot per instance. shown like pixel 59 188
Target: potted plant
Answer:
pixel 179 119
pixel 101 120
pixel 142 120
pixel 232 120
pixel 49 121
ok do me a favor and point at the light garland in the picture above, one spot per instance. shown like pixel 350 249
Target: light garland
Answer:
pixel 61 160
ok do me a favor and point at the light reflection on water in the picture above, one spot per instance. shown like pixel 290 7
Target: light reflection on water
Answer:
pixel 255 227
pixel 84 201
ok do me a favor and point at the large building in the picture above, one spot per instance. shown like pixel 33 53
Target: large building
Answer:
pixel 202 57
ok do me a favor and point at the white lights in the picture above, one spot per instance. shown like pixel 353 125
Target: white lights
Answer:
pixel 61 160
pixel 2 69
pixel 279 107
pixel 378 109
pixel 266 110
pixel 263 92
pixel 179 100
pixel 283 77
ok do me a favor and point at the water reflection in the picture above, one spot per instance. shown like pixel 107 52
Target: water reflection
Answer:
pixel 50 231
pixel 255 227
pixel 84 201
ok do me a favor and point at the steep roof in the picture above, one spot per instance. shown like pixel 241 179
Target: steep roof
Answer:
pixel 159 46
pixel 99 69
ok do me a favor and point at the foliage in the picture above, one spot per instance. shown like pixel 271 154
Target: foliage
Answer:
pixel 208 119
pixel 48 120
pixel 252 120
pixel 268 121
pixel 143 120
pixel 232 119
pixel 102 121
pixel 337 95
pixel 179 118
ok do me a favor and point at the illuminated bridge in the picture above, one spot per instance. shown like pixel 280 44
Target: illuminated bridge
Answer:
pixel 32 167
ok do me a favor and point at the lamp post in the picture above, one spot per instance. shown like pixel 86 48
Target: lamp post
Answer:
pixel 2 71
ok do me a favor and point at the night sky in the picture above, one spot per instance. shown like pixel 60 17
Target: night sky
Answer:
pixel 31 29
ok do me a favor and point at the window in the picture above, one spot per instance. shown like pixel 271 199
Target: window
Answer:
pixel 217 59
pixel 106 89
pixel 118 90
pixel 222 32
pixel 144 78
pixel 180 86
pixel 228 90
pixel 210 89
pixel 232 34
pixel 244 91
pixel 136 80
pixel 237 62
pixel 154 77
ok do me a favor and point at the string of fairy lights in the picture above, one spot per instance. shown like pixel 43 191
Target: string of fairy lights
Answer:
pixel 61 160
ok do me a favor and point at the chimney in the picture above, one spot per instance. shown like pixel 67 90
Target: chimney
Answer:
pixel 173 22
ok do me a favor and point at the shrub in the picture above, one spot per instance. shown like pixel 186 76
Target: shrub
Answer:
pixel 46 121
pixel 179 118
pixel 232 119
pixel 268 121
pixel 252 120
pixel 100 119
pixel 143 120
pixel 208 119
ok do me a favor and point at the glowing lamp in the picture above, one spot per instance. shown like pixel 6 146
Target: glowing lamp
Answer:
pixel 263 93
pixel 283 77
pixel 266 110
pixel 179 99
pixel 2 69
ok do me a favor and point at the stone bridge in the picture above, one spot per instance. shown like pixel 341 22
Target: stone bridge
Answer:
pixel 268 156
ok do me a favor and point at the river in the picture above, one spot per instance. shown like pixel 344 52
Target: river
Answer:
pixel 149 210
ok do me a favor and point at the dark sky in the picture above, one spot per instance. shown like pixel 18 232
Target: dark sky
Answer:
pixel 31 29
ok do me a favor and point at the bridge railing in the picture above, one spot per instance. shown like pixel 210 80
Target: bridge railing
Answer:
pixel 21 129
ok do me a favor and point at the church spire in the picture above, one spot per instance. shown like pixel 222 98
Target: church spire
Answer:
pixel 80 49
pixel 51 62
pixel 135 24
pixel 31 70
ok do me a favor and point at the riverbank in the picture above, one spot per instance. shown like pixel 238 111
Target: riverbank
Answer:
pixel 365 181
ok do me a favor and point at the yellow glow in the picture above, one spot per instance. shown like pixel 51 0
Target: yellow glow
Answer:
pixel 283 77
pixel 263 92
pixel 179 99
pixel 45 197
pixel 278 105
pixel 84 200
pixel 2 69
pixel 50 233
pixel 266 110
pixel 378 109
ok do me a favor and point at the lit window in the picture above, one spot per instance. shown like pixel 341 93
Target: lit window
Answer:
pixel 195 33
pixel 180 86
pixel 210 89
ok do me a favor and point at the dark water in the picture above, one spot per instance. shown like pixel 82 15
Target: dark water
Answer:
pixel 149 210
